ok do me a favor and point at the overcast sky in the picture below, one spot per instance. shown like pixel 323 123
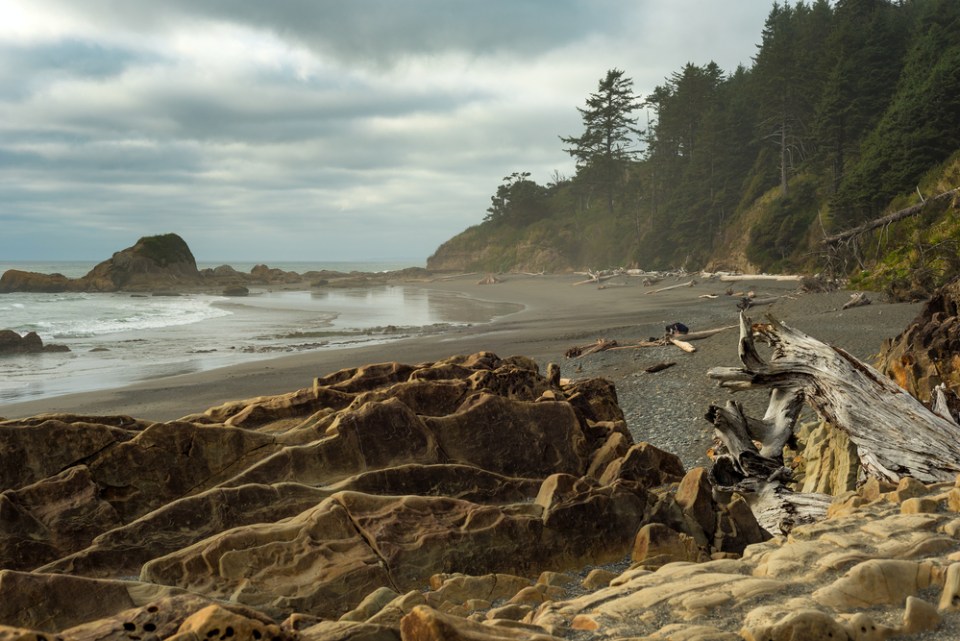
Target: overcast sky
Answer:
pixel 309 129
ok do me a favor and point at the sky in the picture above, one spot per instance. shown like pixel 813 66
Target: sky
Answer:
pixel 310 130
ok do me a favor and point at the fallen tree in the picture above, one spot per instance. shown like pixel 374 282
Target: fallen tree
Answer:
pixel 836 239
pixel 895 434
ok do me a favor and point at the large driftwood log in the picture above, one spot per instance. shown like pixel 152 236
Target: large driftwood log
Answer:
pixel 895 434
pixel 689 283
pixel 888 219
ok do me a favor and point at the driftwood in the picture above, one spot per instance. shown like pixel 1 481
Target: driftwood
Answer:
pixel 746 302
pixel 894 433
pixel 599 345
pixel 455 276
pixel 684 345
pixel 856 300
pixel 689 283
pixel 707 333
pixel 602 344
pixel 659 367
pixel 836 239
pixel 733 278
pixel 598 277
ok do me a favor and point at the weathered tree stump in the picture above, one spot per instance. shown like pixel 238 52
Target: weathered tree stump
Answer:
pixel 894 433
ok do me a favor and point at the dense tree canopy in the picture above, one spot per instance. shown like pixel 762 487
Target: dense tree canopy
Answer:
pixel 847 105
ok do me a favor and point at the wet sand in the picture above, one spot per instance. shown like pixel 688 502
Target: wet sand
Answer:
pixel 665 408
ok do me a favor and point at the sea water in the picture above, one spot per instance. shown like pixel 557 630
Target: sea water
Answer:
pixel 117 338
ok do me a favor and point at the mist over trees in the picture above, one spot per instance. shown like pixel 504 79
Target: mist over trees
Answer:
pixel 847 105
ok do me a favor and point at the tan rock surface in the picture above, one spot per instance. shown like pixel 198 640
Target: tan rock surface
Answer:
pixel 394 502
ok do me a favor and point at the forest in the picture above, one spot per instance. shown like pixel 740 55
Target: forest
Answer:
pixel 851 109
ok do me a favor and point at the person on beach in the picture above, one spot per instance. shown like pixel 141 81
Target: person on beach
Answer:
pixel 677 329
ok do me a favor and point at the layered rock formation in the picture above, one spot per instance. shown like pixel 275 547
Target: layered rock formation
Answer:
pixel 313 505
pixel 470 498
pixel 927 353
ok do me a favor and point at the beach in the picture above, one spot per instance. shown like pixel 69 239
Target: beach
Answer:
pixel 665 408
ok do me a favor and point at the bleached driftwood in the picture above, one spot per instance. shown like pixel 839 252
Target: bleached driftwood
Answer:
pixel 455 276
pixel 780 278
pixel 856 300
pixel 746 302
pixel 689 283
pixel 602 344
pixel 599 345
pixel 707 333
pixel 684 345
pixel 597 277
pixel 895 434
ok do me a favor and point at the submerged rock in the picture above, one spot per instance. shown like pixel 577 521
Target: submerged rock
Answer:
pixel 30 343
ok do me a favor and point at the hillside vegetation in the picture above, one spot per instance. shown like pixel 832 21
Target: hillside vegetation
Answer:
pixel 850 109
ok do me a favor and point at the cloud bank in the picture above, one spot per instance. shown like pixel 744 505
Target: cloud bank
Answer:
pixel 308 130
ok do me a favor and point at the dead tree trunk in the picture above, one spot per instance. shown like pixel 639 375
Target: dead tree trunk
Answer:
pixel 836 239
pixel 895 434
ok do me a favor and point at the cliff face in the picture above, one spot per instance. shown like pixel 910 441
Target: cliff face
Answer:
pixel 481 248
pixel 154 262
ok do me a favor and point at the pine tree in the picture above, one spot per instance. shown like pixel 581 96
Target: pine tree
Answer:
pixel 606 146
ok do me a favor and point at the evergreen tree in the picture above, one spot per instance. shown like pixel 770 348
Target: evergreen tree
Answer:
pixel 788 72
pixel 606 145
pixel 920 128
pixel 519 201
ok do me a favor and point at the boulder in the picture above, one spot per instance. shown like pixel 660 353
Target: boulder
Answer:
pixel 927 352
pixel 153 263
pixel 236 290
pixel 30 343
pixel 15 280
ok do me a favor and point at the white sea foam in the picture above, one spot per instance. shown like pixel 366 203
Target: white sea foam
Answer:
pixel 59 316
pixel 117 339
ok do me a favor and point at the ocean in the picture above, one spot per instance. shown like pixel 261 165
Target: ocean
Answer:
pixel 119 339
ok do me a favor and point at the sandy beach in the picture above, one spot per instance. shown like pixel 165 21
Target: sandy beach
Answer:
pixel 665 408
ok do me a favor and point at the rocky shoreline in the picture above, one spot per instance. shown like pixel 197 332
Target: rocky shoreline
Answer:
pixel 164 265
pixel 477 497
pixel 474 497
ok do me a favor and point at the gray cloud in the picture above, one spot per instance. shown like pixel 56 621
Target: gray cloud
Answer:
pixel 378 30
pixel 309 130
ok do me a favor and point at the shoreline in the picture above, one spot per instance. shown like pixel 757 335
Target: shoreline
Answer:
pixel 665 408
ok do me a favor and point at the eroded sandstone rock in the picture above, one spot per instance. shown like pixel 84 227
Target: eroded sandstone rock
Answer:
pixel 331 507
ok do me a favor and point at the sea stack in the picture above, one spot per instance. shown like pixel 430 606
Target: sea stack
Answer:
pixel 154 262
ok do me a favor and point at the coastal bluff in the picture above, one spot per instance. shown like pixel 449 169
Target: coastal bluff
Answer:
pixel 473 497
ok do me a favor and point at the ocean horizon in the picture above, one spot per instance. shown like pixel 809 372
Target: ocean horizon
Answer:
pixel 116 339
pixel 79 268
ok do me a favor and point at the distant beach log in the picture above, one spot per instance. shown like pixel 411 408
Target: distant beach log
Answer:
pixel 733 278
pixel 689 283
pixel 856 300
